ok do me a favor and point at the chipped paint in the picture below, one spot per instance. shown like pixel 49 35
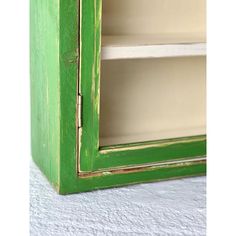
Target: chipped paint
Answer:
pixel 152 166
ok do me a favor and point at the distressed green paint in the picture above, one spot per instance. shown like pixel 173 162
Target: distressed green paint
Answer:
pixel 115 180
pixel 90 52
pixel 54 86
pixel 45 94
pixel 69 41
pixel 150 152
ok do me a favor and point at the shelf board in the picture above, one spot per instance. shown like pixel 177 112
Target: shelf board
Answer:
pixel 152 46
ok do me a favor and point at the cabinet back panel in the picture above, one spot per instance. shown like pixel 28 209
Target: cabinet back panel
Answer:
pixel 125 17
pixel 152 99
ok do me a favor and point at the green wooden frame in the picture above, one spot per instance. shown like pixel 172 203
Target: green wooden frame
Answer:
pixel 92 156
pixel 63 66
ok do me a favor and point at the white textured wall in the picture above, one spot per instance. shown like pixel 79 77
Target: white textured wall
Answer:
pixel 165 208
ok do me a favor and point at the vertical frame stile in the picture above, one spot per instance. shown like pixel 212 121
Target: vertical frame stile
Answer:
pixel 90 53
pixel 79 129
pixel 68 28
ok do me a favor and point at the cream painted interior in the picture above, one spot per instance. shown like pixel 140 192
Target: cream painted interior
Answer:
pixel 152 99
pixel 156 17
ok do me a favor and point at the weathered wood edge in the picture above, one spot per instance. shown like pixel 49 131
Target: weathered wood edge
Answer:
pixel 44 81
pixel 141 168
pixel 119 179
pixel 69 60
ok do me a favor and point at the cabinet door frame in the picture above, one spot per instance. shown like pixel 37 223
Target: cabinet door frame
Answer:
pixel 92 157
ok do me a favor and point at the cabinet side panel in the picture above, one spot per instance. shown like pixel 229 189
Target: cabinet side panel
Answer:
pixel 45 99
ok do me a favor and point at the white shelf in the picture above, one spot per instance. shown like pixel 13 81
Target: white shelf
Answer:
pixel 149 46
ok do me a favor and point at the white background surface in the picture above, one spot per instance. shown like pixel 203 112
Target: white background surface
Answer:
pixel 14 118
pixel 169 208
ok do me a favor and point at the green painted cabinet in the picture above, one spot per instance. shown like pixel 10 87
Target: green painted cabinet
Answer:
pixel 117 91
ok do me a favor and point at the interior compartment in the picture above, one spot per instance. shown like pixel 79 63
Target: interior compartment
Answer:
pixel 155 97
pixel 152 99
pixel 164 20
